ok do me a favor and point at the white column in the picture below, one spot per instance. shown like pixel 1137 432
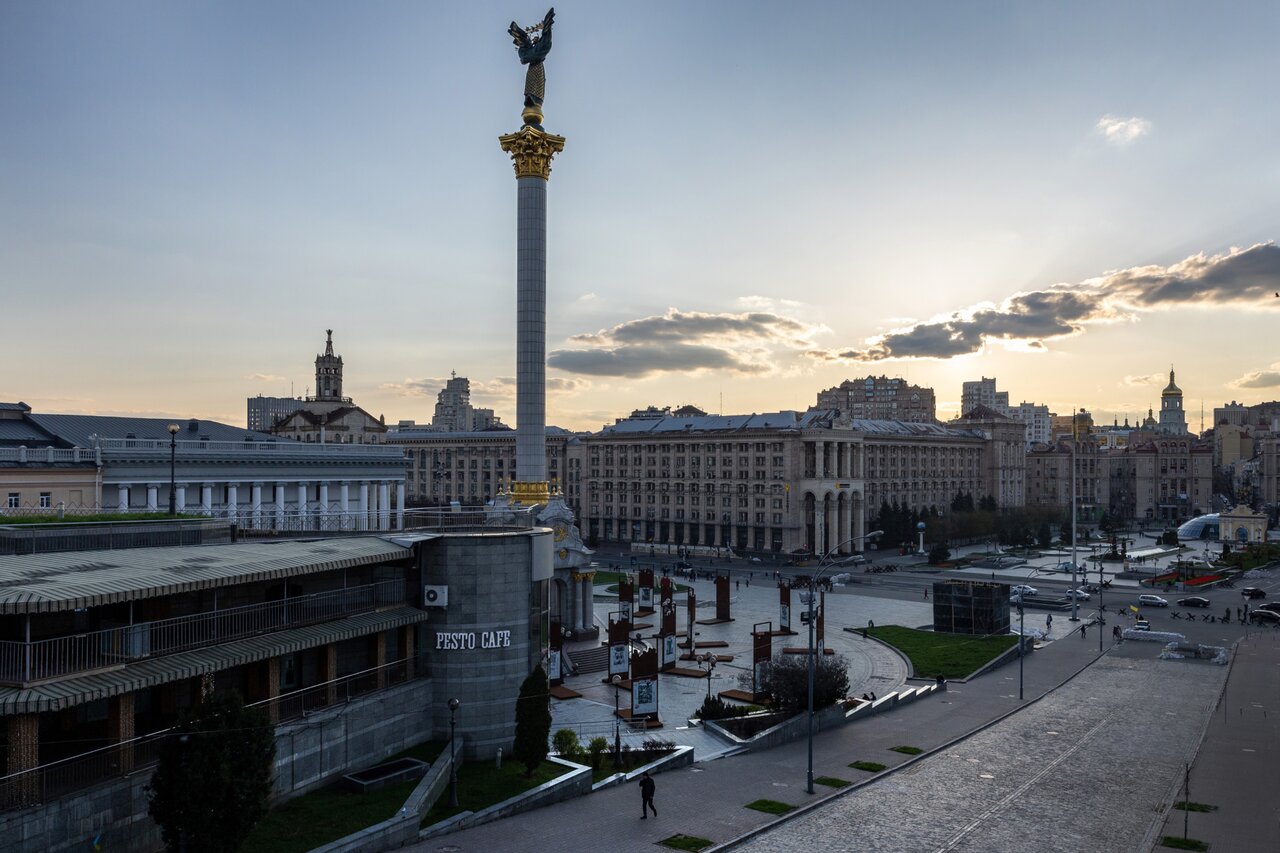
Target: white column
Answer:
pixel 859 524
pixel 324 504
pixel 384 505
pixel 279 505
pixel 400 505
pixel 819 526
pixel 588 617
pixel 233 499
pixel 362 520
pixel 122 495
pixel 344 505
pixel 302 506
pixel 180 497
pixel 819 459
pixel 842 521
pixel 257 504
pixel 151 497
pixel 206 498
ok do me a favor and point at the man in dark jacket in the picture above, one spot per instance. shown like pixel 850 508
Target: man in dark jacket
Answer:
pixel 646 796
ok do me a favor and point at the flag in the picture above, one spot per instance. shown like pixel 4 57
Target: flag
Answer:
pixel 1133 608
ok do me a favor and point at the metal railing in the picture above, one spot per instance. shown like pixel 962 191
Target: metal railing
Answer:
pixel 49 782
pixel 188 448
pixel 41 660
pixel 107 535
pixel 36 455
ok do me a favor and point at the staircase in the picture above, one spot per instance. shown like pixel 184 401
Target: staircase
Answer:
pixel 589 660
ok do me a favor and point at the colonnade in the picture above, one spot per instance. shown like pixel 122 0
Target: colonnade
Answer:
pixel 360 505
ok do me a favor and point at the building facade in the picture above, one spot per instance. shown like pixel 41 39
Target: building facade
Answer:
pixel 329 417
pixel 1037 420
pixel 1173 476
pixel 1173 419
pixel 468 467
pixel 1050 477
pixel 454 412
pixel 881 398
pixel 263 413
pixel 982 392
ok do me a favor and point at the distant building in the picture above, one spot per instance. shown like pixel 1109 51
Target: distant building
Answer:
pixel 263 413
pixel 1036 418
pixel 454 412
pixel 1005 454
pixel 39 472
pixel 1173 420
pixel 881 398
pixel 1049 477
pixel 329 417
pixel 1060 428
pixel 982 392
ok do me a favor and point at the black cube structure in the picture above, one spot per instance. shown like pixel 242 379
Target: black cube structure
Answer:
pixel 970 607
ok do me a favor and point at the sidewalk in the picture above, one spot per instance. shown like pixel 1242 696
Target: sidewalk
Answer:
pixel 1237 766
pixel 708 799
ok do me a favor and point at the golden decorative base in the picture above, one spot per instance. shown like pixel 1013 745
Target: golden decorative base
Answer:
pixel 531 151
pixel 530 494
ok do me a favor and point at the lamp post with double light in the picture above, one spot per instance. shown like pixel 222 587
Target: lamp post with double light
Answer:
pixel 813 592
pixel 617 728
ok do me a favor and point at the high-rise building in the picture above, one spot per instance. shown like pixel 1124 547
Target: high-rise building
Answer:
pixel 879 398
pixel 1036 418
pixel 982 392
pixel 265 412
pixel 454 412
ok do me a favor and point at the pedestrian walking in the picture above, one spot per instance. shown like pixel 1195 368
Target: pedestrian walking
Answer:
pixel 1082 630
pixel 926 593
pixel 646 796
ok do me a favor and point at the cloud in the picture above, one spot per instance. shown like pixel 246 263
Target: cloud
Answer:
pixel 266 377
pixel 1122 131
pixel 686 342
pixel 1267 378
pixel 500 389
pixel 1238 277
pixel 766 303
pixel 1144 380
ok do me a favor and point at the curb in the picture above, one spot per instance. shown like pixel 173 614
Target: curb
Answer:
pixel 807 807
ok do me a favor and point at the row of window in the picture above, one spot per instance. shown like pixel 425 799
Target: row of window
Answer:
pixel 15 500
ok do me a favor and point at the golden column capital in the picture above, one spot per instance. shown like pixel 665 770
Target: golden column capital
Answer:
pixel 530 494
pixel 531 151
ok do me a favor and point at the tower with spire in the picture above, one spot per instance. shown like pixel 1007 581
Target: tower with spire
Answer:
pixel 1173 419
pixel 329 374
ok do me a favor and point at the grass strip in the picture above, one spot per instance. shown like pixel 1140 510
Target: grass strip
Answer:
pixel 1194 807
pixel 481 784
pixel 869 766
pixel 832 782
pixel 1183 843
pixel 933 654
pixel 770 806
pixel 691 843
pixel 907 750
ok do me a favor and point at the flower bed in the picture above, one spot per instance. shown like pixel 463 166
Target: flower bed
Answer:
pixel 1204 580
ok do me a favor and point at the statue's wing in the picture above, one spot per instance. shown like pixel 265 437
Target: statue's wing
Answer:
pixel 549 19
pixel 520 36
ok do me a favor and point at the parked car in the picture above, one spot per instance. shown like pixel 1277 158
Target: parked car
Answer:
pixel 1022 589
pixel 1152 601
pixel 1078 594
pixel 1007 562
pixel 1193 601
pixel 1142 625
pixel 1253 592
pixel 1273 606
pixel 1264 617
pixel 1061 567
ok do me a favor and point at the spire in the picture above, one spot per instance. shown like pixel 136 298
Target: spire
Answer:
pixel 328 347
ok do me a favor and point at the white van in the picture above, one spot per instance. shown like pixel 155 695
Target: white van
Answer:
pixel 1152 601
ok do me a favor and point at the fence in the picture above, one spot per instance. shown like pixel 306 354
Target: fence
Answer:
pixel 24 663
pixel 51 781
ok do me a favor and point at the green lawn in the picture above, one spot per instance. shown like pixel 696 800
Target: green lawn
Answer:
pixel 331 813
pixel 907 750
pixel 869 766
pixel 832 782
pixel 690 843
pixel 1183 844
pixel 948 655
pixel 481 784
pixel 770 806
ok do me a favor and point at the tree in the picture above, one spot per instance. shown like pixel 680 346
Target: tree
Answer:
pixel 988 504
pixel 214 777
pixel 939 553
pixel 533 720
pixel 1044 536
pixel 786 681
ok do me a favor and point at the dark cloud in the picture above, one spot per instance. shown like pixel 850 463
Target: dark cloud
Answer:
pixel 683 342
pixel 1269 378
pixel 1239 277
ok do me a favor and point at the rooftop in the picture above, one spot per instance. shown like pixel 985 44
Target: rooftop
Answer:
pixel 41 583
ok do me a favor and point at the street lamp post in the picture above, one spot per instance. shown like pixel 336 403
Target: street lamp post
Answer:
pixel 1022 638
pixel 708 660
pixel 453 754
pixel 617 729
pixel 1075 511
pixel 173 456
pixel 813 591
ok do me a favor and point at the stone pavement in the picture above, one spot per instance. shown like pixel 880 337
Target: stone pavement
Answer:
pixel 1237 768
pixel 708 799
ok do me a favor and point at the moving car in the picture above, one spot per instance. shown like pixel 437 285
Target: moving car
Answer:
pixel 1193 601
pixel 1152 601
pixel 1022 589
pixel 1253 592
pixel 1142 625
pixel 1264 617
pixel 1273 606
pixel 1078 594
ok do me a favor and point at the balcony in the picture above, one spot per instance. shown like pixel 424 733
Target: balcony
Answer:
pixel 26 663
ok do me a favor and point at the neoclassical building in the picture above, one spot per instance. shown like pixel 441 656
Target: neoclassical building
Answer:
pixel 328 417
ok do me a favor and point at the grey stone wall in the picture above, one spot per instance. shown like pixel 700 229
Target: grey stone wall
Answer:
pixel 353 736
pixel 489 580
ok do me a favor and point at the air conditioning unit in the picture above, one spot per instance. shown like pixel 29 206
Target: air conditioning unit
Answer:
pixel 435 596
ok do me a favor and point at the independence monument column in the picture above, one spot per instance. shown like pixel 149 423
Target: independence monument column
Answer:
pixel 531 149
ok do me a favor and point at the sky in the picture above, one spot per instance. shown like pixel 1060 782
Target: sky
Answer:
pixel 755 201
